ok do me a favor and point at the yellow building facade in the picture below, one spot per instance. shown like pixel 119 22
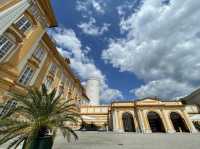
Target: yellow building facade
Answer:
pixel 28 56
pixel 143 116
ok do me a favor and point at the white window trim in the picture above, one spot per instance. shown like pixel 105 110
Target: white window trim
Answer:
pixel 50 69
pixel 39 54
pixel 28 20
pixel 29 80
pixel 8 52
pixel 7 107
pixel 49 84
pixel 39 69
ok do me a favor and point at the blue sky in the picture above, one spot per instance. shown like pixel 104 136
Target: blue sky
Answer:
pixel 133 46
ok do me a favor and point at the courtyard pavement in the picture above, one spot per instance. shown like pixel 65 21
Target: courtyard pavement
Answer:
pixel 111 140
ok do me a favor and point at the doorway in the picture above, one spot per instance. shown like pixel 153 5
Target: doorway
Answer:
pixel 128 122
pixel 155 122
pixel 178 122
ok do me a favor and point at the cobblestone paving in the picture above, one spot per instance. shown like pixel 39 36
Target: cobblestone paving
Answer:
pixel 110 140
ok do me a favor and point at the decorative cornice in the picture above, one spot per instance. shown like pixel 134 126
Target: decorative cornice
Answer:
pixel 47 9
pixel 35 11
pixel 57 55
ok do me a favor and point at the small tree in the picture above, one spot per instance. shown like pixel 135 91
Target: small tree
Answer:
pixel 35 115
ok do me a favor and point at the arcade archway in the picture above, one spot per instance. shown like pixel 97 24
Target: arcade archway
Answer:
pixel 128 122
pixel 178 122
pixel 155 122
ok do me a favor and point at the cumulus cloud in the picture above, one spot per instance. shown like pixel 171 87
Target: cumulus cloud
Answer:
pixel 165 88
pixel 70 46
pixel 127 6
pixel 161 47
pixel 86 6
pixel 109 94
pixel 70 40
pixel 91 28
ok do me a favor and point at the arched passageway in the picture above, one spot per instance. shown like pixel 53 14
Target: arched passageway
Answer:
pixel 178 122
pixel 128 122
pixel 89 127
pixel 155 122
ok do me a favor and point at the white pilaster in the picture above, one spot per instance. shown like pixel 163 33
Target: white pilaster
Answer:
pixel 113 119
pixel 189 122
pixel 140 122
pixel 116 122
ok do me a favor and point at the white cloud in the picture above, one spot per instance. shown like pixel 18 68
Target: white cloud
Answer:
pixel 164 88
pixel 70 46
pixel 70 40
pixel 87 6
pixel 110 93
pixel 123 9
pixel 161 47
pixel 90 27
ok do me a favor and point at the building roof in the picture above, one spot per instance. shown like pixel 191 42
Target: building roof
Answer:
pixel 60 58
pixel 44 6
pixel 193 98
pixel 48 12
pixel 153 98
pixel 65 62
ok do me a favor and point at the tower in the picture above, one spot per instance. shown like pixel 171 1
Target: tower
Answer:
pixel 93 90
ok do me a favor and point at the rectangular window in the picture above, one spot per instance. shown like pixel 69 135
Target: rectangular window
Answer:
pixel 26 76
pixel 48 82
pixel 39 54
pixel 60 90
pixel 6 45
pixel 53 68
pixel 63 79
pixel 8 106
pixel 23 23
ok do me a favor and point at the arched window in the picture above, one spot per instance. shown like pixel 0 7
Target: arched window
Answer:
pixel 128 122
pixel 155 122
pixel 178 122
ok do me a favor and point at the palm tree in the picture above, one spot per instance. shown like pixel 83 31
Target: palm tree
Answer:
pixel 35 115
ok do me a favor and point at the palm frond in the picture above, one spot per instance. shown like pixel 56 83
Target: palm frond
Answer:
pixel 2 105
pixel 67 131
pixel 8 137
pixel 16 142
pixel 44 90
pixel 34 111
